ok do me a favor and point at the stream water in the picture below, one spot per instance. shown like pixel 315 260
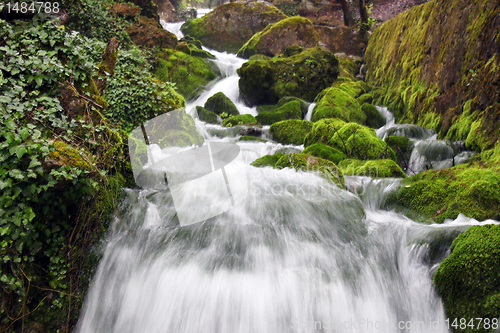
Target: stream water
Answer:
pixel 298 255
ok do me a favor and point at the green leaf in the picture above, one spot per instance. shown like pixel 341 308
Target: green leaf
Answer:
pixel 18 150
pixel 39 80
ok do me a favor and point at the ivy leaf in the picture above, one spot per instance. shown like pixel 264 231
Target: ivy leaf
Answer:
pixel 18 150
pixel 39 80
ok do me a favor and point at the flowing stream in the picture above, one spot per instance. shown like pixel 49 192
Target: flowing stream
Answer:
pixel 298 255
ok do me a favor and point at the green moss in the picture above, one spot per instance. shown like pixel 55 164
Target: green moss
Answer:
pixel 220 103
pixel 184 134
pixel 290 131
pixel 306 162
pixel 373 118
pixel 357 141
pixel 290 110
pixel 365 98
pixel 468 281
pixel 336 102
pixel 349 66
pixel 242 119
pixel 68 156
pixel 326 152
pixel 189 73
pixel 292 31
pixel 323 130
pixel 267 160
pixel 374 168
pixel 402 147
pixel 206 116
pixel 303 75
pixel 472 190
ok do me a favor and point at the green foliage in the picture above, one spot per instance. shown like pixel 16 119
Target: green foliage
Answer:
pixel 50 164
pixel 92 19
pixel 134 95
pixel 290 131
pixel 468 280
pixel 326 152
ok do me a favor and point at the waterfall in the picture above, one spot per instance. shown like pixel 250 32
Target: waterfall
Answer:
pixel 309 113
pixel 299 254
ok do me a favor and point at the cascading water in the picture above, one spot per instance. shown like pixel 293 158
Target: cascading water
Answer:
pixel 298 255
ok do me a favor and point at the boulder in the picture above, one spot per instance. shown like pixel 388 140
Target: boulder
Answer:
pixel 291 131
pixel 373 118
pixel 341 40
pixel 290 110
pixel 267 160
pixel 220 103
pixel 276 37
pixel 231 25
pixel 189 73
pixel 148 33
pixel 303 75
pixel 375 168
pixel 242 119
pixel 306 162
pixel 206 116
pixel 402 147
pixel 326 152
pixel 337 103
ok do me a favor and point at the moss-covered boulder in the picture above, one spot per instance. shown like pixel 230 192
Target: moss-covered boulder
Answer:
pixel 242 119
pixel 191 48
pixel 339 101
pixel 291 131
pixel 220 103
pixel 402 147
pixel 303 105
pixel 276 37
pixel 303 75
pixel 231 25
pixel 290 110
pixel 373 118
pixel 147 32
pixel 365 98
pixel 267 160
pixel 306 162
pixel 468 281
pixel 326 152
pixel 349 66
pixel 251 138
pixel 342 40
pixel 374 168
pixel 189 73
pixel 206 116
pixel 436 61
pixel 354 140
pixel 473 190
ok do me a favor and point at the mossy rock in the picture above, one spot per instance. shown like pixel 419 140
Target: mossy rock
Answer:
pixel 220 103
pixel 335 102
pixel 267 160
pixel 292 50
pixel 468 281
pixel 326 152
pixel 323 130
pixel 147 33
pixel 276 37
pixel 291 131
pixel 349 66
pixel 472 190
pixel 365 98
pixel 231 25
pixel 402 147
pixel 290 110
pixel 303 105
pixel 194 51
pixel 189 73
pixel 374 168
pixel 242 119
pixel 251 138
pixel 303 75
pixel 206 116
pixel 259 57
pixel 373 117
pixel 306 162
pixel 360 142
pixel 183 134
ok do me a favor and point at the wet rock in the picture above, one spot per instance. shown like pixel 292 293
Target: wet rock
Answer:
pixel 291 131
pixel 276 37
pixel 220 103
pixel 231 25
pixel 251 131
pixel 290 110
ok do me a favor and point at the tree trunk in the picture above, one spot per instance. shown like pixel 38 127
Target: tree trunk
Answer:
pixel 363 13
pixel 348 18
